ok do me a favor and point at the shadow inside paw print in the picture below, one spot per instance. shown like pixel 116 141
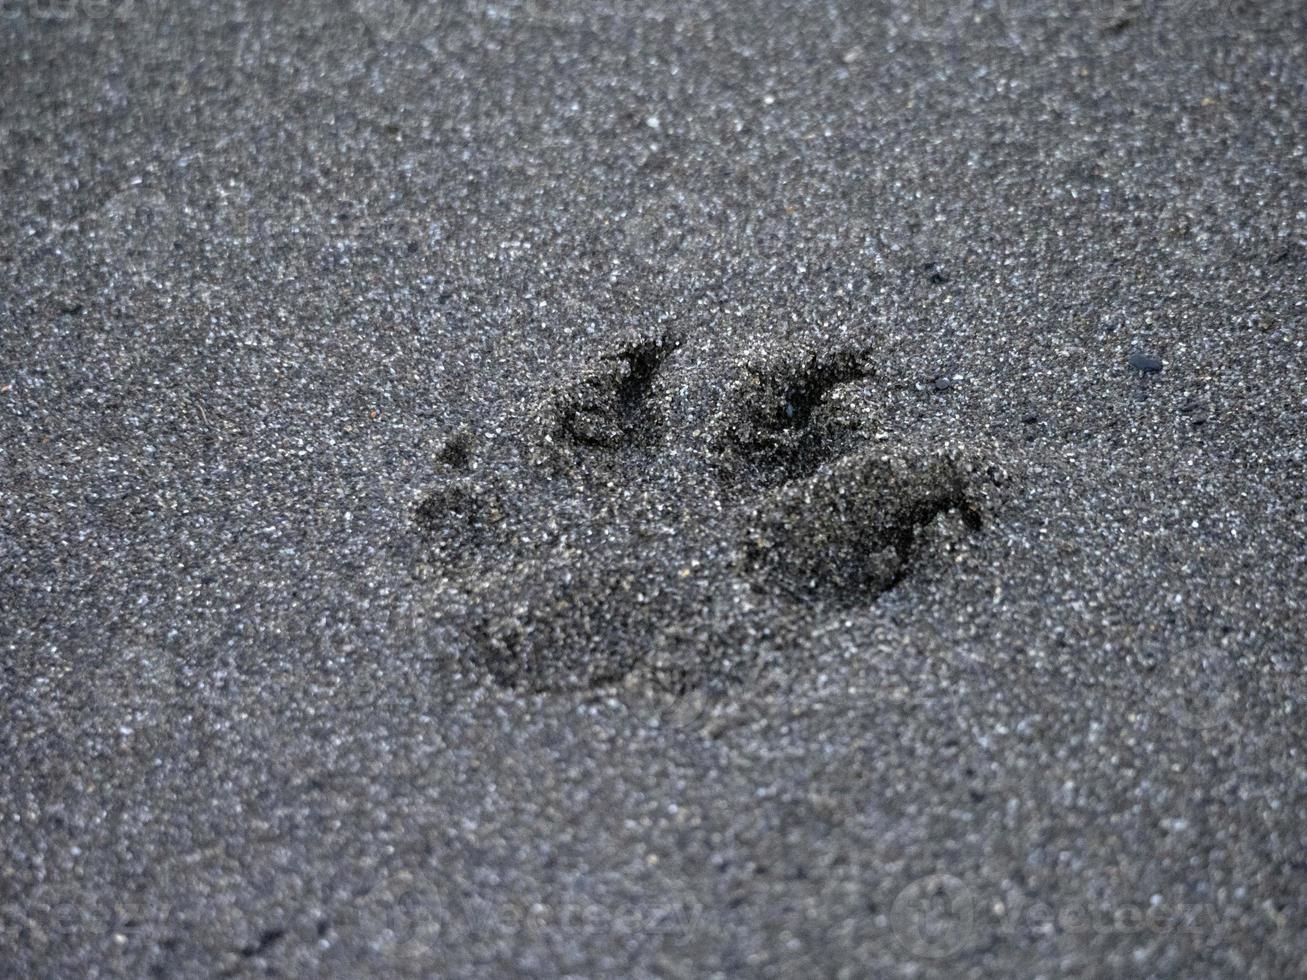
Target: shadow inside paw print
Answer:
pixel 788 418
pixel 647 524
pixel 850 531
pixel 610 406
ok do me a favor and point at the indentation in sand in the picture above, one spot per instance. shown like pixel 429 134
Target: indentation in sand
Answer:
pixel 696 539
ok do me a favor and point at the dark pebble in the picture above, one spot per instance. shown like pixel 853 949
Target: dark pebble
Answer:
pixel 943 383
pixel 1030 418
pixel 1145 363
pixel 934 274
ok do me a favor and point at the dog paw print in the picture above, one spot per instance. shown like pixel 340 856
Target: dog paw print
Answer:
pixel 650 521
pixel 786 419
pixel 612 405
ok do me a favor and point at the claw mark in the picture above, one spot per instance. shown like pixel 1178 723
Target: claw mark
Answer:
pixel 783 422
pixel 611 406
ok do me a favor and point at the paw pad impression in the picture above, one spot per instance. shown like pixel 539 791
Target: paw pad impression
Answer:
pixel 781 502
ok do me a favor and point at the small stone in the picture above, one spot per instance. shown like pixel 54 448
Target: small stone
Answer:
pixel 934 274
pixel 1195 410
pixel 1030 418
pixel 1145 363
pixel 944 383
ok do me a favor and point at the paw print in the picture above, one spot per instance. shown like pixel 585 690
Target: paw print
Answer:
pixel 654 521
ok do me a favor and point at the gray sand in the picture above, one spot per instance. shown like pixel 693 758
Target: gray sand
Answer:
pixel 653 489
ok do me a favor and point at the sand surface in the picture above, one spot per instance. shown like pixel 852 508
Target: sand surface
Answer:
pixel 653 489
